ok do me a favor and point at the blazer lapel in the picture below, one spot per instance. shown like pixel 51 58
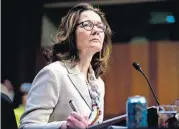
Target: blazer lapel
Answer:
pixel 73 74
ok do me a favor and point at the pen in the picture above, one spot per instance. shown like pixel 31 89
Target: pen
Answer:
pixel 72 105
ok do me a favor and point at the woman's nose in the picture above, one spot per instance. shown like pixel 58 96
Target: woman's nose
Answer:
pixel 95 30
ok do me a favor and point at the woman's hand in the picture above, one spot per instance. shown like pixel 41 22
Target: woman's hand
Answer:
pixel 75 120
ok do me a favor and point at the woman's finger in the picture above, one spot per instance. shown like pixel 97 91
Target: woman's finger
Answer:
pixel 75 122
pixel 69 125
pixel 80 118
pixel 86 118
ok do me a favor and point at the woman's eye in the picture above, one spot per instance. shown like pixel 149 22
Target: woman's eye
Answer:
pixel 101 26
pixel 87 24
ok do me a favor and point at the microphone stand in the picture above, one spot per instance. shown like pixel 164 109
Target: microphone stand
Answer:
pixel 151 89
pixel 138 68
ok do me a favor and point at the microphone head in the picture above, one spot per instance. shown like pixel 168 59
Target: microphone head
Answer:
pixel 137 66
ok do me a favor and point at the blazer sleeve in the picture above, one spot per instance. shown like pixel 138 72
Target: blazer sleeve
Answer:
pixel 42 98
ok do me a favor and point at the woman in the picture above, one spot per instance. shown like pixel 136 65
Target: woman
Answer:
pixel 79 57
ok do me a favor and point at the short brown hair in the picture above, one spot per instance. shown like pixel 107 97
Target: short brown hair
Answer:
pixel 64 46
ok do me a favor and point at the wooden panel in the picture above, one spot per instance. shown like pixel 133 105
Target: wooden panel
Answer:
pixel 139 53
pixel 159 61
pixel 118 79
pixel 153 71
pixel 168 72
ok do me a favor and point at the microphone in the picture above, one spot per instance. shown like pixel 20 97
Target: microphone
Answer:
pixel 138 68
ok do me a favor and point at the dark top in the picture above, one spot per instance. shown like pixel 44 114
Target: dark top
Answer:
pixel 8 120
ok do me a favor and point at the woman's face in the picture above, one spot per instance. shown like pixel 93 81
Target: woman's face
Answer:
pixel 89 40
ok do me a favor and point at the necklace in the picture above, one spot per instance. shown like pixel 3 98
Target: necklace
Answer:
pixel 95 95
